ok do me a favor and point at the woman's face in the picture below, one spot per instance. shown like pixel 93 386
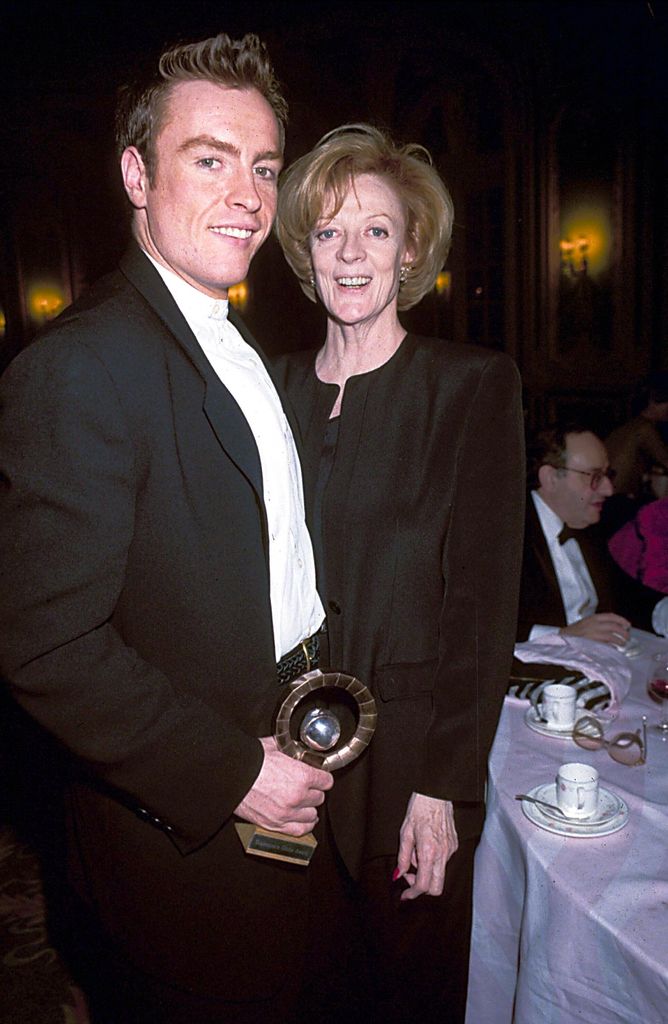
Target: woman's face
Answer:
pixel 357 254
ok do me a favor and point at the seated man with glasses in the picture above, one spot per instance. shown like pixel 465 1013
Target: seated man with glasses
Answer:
pixel 570 583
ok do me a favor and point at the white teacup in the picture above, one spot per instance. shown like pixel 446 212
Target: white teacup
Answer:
pixel 577 790
pixel 556 706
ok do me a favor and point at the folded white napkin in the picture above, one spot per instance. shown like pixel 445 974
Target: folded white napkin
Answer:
pixel 597 661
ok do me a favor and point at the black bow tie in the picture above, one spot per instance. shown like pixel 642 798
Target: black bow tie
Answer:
pixel 566 533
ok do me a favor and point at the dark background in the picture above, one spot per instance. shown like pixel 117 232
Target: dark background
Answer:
pixel 524 106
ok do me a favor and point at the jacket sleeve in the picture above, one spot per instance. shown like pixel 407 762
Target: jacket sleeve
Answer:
pixel 68 488
pixel 481 569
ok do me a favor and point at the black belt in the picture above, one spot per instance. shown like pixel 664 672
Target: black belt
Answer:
pixel 300 659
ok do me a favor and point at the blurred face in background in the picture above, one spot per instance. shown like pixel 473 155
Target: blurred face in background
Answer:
pixel 569 491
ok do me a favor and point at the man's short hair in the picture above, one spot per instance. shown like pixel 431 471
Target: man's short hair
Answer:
pixel 234 63
pixel 547 447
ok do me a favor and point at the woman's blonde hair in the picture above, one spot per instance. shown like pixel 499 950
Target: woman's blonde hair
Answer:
pixel 328 172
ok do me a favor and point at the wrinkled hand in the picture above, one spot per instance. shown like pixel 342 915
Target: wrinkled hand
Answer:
pixel 606 627
pixel 427 840
pixel 285 794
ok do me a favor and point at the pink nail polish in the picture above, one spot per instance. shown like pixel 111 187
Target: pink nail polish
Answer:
pixel 396 874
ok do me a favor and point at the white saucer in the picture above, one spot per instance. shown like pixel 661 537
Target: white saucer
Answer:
pixel 609 805
pixel 531 718
pixel 612 814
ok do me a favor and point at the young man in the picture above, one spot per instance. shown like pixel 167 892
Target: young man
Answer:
pixel 158 576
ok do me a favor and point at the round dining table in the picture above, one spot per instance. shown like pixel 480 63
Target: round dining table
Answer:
pixel 573 929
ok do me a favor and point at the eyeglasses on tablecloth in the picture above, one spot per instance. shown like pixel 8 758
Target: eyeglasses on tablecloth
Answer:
pixel 629 748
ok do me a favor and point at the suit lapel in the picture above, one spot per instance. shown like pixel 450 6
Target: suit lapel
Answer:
pixel 222 411
pixel 595 558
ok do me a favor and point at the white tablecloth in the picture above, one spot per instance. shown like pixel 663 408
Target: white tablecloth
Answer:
pixel 573 930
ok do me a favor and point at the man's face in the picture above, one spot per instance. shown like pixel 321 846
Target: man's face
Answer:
pixel 213 197
pixel 569 493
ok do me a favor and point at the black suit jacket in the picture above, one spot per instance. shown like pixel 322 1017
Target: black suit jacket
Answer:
pixel 135 626
pixel 422 520
pixel 540 597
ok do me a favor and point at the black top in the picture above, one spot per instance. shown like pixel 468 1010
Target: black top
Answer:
pixel 421 543
pixel 324 472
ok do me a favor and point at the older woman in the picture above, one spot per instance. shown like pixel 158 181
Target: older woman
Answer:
pixel 413 467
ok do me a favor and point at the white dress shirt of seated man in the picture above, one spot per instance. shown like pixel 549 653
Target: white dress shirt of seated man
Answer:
pixel 576 493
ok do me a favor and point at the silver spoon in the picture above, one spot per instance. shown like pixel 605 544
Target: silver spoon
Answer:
pixel 542 803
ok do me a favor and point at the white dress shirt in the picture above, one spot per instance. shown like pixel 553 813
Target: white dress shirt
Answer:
pixel 296 608
pixel 575 583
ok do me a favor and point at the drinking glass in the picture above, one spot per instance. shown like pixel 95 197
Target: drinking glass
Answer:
pixel 657 688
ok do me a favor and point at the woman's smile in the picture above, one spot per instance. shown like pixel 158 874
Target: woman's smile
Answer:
pixel 357 254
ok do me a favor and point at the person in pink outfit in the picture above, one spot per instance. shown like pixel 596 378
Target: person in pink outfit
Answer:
pixel 640 547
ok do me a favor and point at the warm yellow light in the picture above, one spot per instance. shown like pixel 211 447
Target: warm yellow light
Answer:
pixel 44 302
pixel 3 323
pixel 586 235
pixel 444 283
pixel 238 295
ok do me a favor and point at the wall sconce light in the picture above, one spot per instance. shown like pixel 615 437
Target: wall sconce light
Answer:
pixel 585 233
pixel 3 323
pixel 45 301
pixel 443 283
pixel 238 295
pixel 574 261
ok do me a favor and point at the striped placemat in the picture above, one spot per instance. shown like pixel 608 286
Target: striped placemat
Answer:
pixel 593 695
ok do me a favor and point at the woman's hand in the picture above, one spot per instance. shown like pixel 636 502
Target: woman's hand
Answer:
pixel 427 840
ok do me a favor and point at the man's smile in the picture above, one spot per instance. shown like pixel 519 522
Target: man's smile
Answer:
pixel 232 232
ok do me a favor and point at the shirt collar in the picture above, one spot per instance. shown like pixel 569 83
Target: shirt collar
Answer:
pixel 549 520
pixel 198 309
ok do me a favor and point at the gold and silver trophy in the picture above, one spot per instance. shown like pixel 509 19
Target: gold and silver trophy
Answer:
pixel 317 739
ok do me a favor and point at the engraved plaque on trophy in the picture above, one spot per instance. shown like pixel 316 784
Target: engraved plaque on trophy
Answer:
pixel 316 739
